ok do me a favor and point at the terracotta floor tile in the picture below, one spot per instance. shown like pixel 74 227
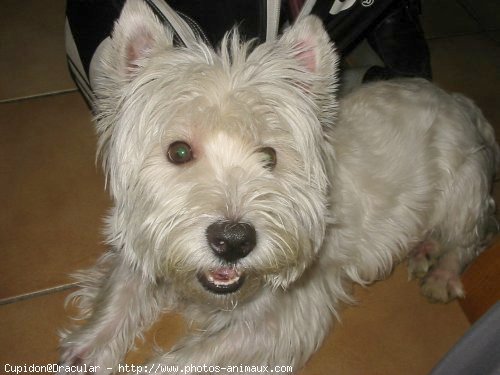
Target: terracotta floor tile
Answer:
pixel 53 198
pixel 32 56
pixel 29 331
pixel 441 18
pixel 393 331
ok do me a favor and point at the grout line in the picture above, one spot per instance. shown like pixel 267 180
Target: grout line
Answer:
pixel 470 11
pixel 37 96
pixel 38 293
pixel 472 14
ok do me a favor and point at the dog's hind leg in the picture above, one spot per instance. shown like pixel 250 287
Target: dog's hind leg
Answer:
pixel 439 270
pixel 442 283
pixel 423 257
pixel 463 216
pixel 439 260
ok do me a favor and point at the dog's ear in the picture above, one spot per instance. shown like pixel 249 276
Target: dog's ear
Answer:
pixel 310 45
pixel 137 34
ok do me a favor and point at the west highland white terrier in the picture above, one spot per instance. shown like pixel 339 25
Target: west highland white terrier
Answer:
pixel 246 197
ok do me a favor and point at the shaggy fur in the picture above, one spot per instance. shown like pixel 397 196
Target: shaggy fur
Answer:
pixel 402 169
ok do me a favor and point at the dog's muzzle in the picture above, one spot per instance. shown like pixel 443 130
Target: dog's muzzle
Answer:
pixel 230 242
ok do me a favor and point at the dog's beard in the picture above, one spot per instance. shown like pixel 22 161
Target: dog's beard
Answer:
pixel 278 260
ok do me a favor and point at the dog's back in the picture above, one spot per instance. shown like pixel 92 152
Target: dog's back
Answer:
pixel 415 166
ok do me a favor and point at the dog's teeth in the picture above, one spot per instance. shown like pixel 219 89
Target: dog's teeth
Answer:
pixel 224 282
pixel 222 277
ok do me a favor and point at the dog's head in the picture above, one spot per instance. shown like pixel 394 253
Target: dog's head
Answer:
pixel 217 161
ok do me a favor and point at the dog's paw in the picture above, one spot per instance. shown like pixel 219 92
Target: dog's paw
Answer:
pixel 442 285
pixel 422 258
pixel 77 361
pixel 74 368
pixel 72 360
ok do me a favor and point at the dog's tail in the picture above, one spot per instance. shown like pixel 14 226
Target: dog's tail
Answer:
pixel 484 128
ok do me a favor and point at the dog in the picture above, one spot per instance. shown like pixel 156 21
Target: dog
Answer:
pixel 249 198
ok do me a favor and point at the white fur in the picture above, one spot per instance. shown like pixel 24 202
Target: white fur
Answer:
pixel 402 168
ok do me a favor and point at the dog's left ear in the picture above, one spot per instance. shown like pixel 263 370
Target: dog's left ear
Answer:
pixel 310 45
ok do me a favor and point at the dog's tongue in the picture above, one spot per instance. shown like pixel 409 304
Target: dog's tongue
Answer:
pixel 224 274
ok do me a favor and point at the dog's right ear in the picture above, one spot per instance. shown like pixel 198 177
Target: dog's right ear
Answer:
pixel 137 34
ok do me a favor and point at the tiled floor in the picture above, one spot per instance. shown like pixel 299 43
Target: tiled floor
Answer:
pixel 54 201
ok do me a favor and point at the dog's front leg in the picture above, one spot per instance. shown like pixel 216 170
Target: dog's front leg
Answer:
pixel 122 304
pixel 232 349
pixel 278 333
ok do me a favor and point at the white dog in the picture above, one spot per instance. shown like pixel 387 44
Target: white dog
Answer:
pixel 243 199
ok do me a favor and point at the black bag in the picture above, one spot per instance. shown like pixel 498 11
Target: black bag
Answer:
pixel 391 27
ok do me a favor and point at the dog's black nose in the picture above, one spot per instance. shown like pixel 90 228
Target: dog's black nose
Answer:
pixel 231 241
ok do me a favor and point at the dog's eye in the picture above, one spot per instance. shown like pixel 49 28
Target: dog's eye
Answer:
pixel 179 153
pixel 268 157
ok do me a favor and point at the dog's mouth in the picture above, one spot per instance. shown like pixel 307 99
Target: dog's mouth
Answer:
pixel 222 280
